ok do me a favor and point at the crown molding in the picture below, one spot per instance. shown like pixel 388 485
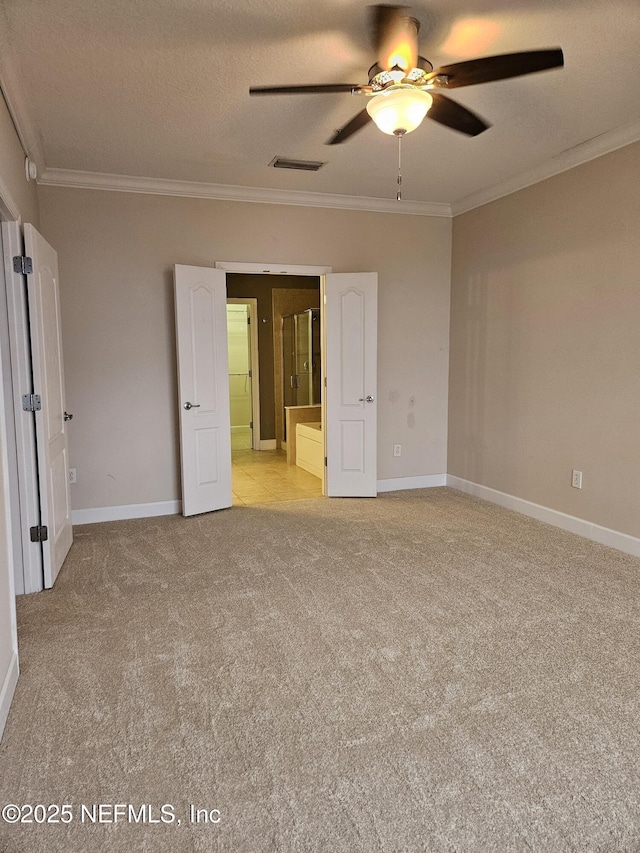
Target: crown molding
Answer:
pixel 224 192
pixel 593 148
pixel 569 159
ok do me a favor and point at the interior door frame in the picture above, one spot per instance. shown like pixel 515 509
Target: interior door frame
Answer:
pixel 294 269
pixel 272 269
pixel 252 304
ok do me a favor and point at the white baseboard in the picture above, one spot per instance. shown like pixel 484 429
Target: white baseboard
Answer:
pixel 397 484
pixel 602 535
pixel 8 689
pixel 121 513
pixel 595 532
pixel 268 444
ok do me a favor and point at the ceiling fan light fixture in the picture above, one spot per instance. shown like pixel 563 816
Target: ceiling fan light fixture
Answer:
pixel 399 109
pixel 396 74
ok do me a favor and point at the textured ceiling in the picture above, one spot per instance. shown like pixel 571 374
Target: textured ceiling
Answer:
pixel 159 88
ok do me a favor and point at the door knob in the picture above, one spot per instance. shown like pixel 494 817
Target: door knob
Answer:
pixel 189 405
pixel 367 399
pixel 68 417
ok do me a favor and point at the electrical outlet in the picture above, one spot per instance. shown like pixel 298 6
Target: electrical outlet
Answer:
pixel 397 450
pixel 72 475
pixel 576 479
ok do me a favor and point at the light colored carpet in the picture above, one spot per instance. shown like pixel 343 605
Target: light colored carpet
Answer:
pixel 420 672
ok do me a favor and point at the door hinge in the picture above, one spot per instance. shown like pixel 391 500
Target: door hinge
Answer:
pixel 251 374
pixel 31 402
pixel 325 461
pixel 39 533
pixel 23 265
pixel 250 424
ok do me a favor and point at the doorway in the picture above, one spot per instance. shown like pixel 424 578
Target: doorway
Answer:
pixel 264 470
pixel 349 321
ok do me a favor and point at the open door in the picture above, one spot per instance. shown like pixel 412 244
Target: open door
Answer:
pixel 55 530
pixel 351 328
pixel 203 388
pixel 21 427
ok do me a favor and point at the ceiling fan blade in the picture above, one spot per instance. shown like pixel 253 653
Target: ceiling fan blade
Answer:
pixel 501 67
pixel 307 90
pixel 395 37
pixel 453 115
pixel 356 124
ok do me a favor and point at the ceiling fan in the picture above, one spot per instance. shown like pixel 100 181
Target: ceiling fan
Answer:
pixel 402 85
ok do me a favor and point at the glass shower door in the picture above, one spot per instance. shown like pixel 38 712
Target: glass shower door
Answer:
pixel 304 358
pixel 301 359
pixel 289 361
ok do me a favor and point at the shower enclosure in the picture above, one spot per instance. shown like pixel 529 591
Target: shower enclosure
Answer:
pixel 301 358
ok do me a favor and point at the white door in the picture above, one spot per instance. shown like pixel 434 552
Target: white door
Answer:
pixel 21 428
pixel 48 383
pixel 203 388
pixel 351 329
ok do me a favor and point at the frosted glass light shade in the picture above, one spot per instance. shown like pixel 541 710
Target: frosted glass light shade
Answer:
pixel 399 109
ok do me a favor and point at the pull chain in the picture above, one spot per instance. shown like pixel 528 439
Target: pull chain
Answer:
pixel 399 194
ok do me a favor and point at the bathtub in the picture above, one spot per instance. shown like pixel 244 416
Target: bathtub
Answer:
pixel 310 448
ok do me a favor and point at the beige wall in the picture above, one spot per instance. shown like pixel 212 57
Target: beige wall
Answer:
pixel 23 195
pixel 12 175
pixel 116 252
pixel 545 343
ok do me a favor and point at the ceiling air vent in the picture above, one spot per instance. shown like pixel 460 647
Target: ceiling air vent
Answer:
pixel 299 165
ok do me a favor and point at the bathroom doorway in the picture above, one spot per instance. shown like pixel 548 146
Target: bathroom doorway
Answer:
pixel 347 427
pixel 268 472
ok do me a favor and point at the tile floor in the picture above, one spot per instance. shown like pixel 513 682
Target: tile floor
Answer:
pixel 263 476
